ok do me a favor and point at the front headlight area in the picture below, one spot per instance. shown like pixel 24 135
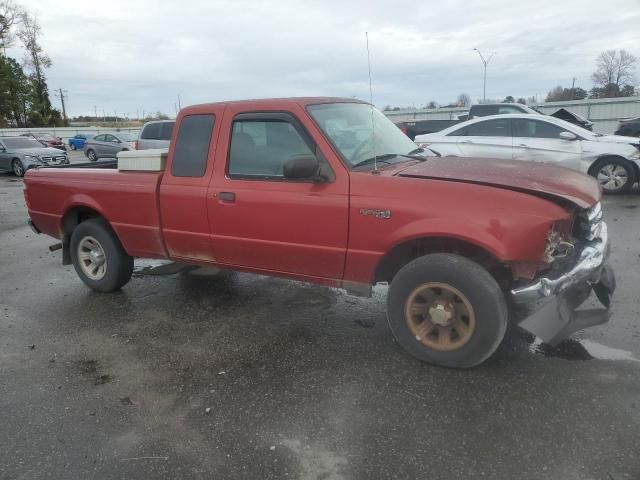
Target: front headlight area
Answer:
pixel 33 158
pixel 560 244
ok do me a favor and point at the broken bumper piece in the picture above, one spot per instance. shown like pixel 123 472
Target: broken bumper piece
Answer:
pixel 558 318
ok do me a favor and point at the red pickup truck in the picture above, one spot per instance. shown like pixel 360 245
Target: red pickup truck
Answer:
pixel 329 191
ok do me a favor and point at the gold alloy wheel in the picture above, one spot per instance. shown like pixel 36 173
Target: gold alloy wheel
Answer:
pixel 440 316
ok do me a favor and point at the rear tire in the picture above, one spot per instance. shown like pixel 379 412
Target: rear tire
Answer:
pixel 94 240
pixel 72 146
pixel 447 310
pixel 615 175
pixel 91 155
pixel 17 168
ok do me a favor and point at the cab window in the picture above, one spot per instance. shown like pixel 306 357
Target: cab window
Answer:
pixel 192 146
pixel 261 147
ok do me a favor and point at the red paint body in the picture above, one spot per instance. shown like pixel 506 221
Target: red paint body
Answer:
pixel 313 231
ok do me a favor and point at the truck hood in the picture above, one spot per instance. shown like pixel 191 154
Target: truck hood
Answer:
pixel 534 178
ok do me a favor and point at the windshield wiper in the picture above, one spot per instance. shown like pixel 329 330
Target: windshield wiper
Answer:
pixel 412 155
pixel 384 158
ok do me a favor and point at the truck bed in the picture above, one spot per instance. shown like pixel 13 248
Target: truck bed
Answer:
pixel 128 200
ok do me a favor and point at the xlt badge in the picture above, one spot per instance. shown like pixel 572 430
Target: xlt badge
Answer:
pixel 374 212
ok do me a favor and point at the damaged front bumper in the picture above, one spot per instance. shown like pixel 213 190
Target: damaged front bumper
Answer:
pixel 558 318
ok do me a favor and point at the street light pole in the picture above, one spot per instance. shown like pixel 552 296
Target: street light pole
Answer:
pixel 485 62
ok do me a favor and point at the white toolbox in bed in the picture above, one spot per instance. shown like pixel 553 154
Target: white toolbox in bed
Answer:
pixel 143 160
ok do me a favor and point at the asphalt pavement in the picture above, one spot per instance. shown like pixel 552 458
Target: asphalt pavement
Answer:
pixel 196 374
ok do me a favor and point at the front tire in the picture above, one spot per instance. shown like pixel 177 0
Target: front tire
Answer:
pixel 447 310
pixel 98 256
pixel 72 146
pixel 91 155
pixel 17 168
pixel 615 175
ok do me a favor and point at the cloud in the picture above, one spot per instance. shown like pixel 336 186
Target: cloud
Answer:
pixel 128 56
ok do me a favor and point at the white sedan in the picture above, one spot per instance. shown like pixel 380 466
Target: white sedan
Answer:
pixel 612 159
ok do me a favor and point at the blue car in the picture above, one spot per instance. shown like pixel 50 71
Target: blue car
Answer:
pixel 77 142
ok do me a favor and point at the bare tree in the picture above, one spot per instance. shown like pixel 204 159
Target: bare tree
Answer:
pixel 10 17
pixel 614 69
pixel 432 104
pixel 35 59
pixel 464 100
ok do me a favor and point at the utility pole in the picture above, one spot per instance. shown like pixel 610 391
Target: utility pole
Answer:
pixel 179 105
pixel 485 62
pixel 62 94
pixel 573 89
pixel 95 113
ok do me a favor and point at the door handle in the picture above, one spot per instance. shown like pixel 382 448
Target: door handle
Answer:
pixel 227 197
pixel 523 145
pixel 466 141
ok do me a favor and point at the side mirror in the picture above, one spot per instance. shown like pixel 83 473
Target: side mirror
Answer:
pixel 567 136
pixel 302 167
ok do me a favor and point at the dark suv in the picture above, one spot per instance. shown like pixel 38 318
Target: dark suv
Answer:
pixel 629 128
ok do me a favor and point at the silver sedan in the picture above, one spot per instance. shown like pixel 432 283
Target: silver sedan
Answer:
pixel 107 145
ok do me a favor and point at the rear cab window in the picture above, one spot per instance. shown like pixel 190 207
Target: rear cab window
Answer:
pixel 192 146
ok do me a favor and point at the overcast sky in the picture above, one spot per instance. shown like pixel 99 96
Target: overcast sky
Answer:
pixel 125 56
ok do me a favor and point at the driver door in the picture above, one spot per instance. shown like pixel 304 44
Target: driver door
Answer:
pixel 261 220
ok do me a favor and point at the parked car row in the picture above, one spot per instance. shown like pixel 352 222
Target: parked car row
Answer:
pixel 612 159
pixel 28 150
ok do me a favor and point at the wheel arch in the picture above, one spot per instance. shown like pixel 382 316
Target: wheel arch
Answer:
pixel 74 215
pixel 605 156
pixel 406 251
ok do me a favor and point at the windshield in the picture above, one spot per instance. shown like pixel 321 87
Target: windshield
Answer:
pixel 22 142
pixel 349 127
pixel 127 137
